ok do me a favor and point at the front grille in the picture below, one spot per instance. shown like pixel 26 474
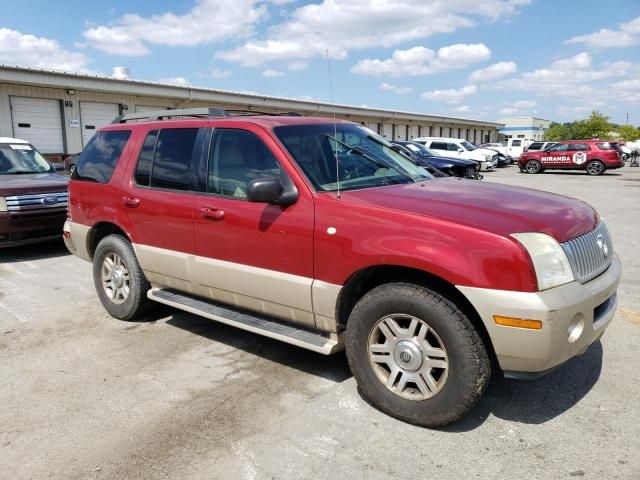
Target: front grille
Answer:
pixel 37 201
pixel 470 172
pixel 590 254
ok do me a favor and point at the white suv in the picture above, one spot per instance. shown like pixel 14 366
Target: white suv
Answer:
pixel 459 148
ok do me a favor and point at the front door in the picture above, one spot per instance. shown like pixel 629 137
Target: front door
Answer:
pixel 252 255
pixel 558 156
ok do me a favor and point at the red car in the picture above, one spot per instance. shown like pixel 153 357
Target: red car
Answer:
pixel 594 156
pixel 319 234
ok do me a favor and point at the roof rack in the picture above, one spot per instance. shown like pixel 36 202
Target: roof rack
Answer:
pixel 195 112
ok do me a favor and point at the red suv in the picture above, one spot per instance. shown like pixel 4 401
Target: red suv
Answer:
pixel 594 156
pixel 319 234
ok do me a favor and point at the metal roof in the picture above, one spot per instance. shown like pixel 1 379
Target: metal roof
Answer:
pixel 106 84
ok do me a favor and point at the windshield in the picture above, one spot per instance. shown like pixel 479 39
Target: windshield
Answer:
pixel 364 158
pixel 468 146
pixel 21 158
pixel 419 149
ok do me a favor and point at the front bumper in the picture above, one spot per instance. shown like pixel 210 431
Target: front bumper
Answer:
pixel 573 316
pixel 23 229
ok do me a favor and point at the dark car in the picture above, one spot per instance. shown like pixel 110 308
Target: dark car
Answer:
pixel 454 167
pixel 33 197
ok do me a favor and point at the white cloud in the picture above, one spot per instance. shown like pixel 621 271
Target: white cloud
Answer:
pixel 524 104
pixel 208 21
pixel 177 81
pixel 30 51
pixel 462 109
pixel 424 61
pixel 270 73
pixel 217 73
pixel 297 66
pixel 627 35
pixel 450 95
pixel 395 88
pixel 507 111
pixel 343 25
pixel 493 72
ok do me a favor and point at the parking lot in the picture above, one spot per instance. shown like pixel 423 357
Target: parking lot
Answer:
pixel 85 396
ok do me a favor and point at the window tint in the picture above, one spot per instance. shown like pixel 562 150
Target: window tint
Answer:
pixel 235 158
pixel 608 146
pixel 143 169
pixel 452 147
pixel 99 158
pixel 438 145
pixel 578 146
pixel 516 143
pixel 561 147
pixel 535 146
pixel 172 160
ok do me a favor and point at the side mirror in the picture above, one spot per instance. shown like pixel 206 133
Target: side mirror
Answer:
pixel 272 190
pixel 460 150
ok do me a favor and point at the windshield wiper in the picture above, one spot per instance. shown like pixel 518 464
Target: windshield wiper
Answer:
pixel 377 162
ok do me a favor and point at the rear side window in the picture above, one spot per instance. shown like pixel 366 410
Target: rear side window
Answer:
pixel 172 161
pixel 608 146
pixel 438 145
pixel 145 160
pixel 516 143
pixel 100 156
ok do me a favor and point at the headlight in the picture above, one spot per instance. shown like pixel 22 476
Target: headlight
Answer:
pixel 3 204
pixel 487 157
pixel 549 260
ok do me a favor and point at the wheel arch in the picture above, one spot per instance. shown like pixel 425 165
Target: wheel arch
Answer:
pixel 366 279
pixel 101 230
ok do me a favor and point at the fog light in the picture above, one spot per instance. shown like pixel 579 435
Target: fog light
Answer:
pixel 518 322
pixel 576 327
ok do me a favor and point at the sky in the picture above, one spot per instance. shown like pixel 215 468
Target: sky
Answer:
pixel 483 59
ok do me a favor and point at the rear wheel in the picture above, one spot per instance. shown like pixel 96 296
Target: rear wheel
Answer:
pixel 415 355
pixel 595 167
pixel 119 280
pixel 533 166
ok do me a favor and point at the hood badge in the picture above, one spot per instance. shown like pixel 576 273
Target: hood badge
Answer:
pixel 49 200
pixel 602 245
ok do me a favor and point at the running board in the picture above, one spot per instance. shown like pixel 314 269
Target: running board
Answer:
pixel 325 343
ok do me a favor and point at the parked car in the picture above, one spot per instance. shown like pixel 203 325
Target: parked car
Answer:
pixel 453 167
pixel 457 148
pixel 496 147
pixel 626 151
pixel 70 162
pixel 539 146
pixel 33 197
pixel 517 146
pixel 593 156
pixel 317 233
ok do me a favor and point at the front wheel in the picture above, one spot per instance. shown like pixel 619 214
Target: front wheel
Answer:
pixel 119 280
pixel 415 355
pixel 533 166
pixel 595 167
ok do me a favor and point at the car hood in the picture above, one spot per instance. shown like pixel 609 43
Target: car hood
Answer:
pixel 447 161
pixel 492 207
pixel 27 183
pixel 484 151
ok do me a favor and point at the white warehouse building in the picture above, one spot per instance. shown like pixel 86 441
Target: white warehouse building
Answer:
pixel 523 127
pixel 59 112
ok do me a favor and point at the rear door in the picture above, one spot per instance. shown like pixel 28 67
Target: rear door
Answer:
pixel 94 115
pixel 159 201
pixel 515 148
pixel 39 122
pixel 252 255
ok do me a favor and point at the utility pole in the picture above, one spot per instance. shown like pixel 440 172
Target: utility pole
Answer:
pixel 627 119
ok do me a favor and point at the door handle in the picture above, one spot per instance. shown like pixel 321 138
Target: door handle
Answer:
pixel 130 202
pixel 212 214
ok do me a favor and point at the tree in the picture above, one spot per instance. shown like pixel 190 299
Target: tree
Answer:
pixel 629 133
pixel 596 126
pixel 558 131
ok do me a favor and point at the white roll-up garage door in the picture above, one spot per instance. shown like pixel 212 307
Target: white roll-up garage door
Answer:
pixel 372 126
pixel 401 132
pixel 94 115
pixel 38 121
pixel 387 131
pixel 415 132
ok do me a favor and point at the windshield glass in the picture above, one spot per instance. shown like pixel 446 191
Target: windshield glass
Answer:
pixel 467 145
pixel 420 149
pixel 364 158
pixel 21 158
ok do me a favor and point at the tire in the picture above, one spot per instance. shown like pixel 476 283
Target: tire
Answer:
pixel 595 168
pixel 125 268
pixel 457 363
pixel 533 167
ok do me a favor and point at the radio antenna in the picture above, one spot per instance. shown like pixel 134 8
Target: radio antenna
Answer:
pixel 335 127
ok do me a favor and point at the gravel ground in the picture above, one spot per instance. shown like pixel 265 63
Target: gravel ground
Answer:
pixel 85 396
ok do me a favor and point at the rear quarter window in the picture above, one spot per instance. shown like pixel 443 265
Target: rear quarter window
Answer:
pixel 607 146
pixel 100 156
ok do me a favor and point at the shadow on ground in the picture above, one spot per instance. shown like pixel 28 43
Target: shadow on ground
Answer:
pixel 333 367
pixel 531 402
pixel 35 251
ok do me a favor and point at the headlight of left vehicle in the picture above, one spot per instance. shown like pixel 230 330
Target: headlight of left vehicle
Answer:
pixel 3 204
pixel 549 260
